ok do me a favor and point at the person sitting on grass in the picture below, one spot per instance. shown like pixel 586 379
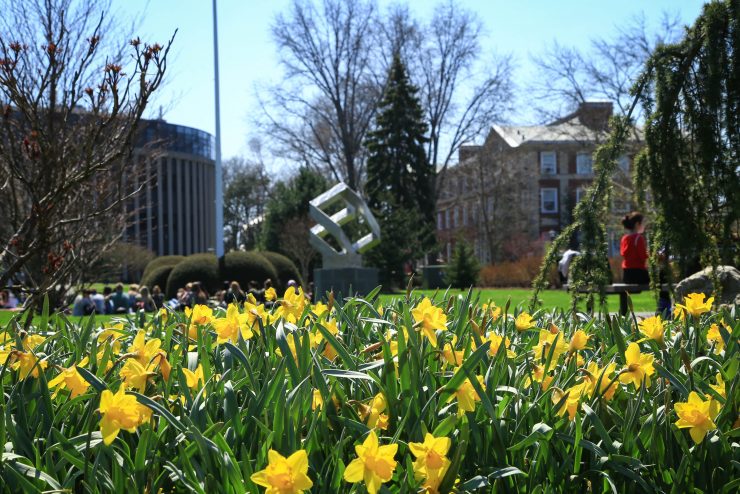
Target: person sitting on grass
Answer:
pixel 120 300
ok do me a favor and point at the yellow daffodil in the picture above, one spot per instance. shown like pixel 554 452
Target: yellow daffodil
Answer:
pixel 120 411
pixel 720 387
pixel 317 401
pixel 199 315
pixel 429 319
pixel 284 475
pixel 538 375
pixel 292 305
pixel 194 380
pixel 431 456
pixel 230 327
pixel 28 363
pixel 144 350
pixel 652 327
pixel 545 343
pixel 373 412
pixel 112 336
pixel 270 294
pixel 523 322
pixel 498 342
pixel 578 341
pixel 320 309
pixel 135 375
pixel 695 305
pixel 466 396
pixel 572 402
pixel 452 356
pixel 374 464
pixel 638 367
pixel 5 354
pixel 71 379
pixel 32 341
pixel 254 313
pixel 714 336
pixel 594 373
pixel 698 415
pixel 492 310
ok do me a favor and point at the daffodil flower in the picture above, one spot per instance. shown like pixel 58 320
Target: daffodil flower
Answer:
pixel 284 475
pixel 698 415
pixel 374 464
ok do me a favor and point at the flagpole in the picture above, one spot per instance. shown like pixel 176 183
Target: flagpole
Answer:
pixel 219 185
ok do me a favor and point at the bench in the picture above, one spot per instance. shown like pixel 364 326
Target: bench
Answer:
pixel 621 289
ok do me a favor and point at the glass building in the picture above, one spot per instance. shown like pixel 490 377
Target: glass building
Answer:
pixel 174 211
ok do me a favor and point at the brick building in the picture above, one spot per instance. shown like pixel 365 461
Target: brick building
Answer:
pixel 521 185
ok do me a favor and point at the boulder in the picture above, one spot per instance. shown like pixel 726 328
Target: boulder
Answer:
pixel 701 282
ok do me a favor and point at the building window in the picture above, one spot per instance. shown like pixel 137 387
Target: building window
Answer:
pixel 440 221
pixel 549 200
pixel 448 218
pixel 624 163
pixel 465 215
pixel 584 164
pixel 548 163
pixel 457 217
pixel 580 192
pixel 620 206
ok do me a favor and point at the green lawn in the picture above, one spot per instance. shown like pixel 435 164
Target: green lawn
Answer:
pixel 642 302
pixel 6 316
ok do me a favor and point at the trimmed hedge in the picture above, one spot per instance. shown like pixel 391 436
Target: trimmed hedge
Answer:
pixel 159 262
pixel 157 276
pixel 247 266
pixel 197 267
pixel 286 269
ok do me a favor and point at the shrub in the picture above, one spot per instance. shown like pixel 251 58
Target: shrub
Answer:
pixel 515 273
pixel 158 262
pixel 110 266
pixel 247 266
pixel 285 268
pixel 197 267
pixel 157 276
pixel 463 269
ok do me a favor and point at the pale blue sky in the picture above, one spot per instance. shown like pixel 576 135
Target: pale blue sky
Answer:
pixel 248 56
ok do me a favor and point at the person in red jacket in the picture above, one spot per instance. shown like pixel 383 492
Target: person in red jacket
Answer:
pixel 633 248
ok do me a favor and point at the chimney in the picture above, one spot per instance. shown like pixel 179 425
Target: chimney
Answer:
pixel 595 115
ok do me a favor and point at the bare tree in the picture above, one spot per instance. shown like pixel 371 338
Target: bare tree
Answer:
pixel 568 76
pixel 246 191
pixel 321 112
pixel 294 239
pixel 462 94
pixel 70 108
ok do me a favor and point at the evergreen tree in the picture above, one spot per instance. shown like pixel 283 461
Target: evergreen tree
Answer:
pixel 463 269
pixel 399 178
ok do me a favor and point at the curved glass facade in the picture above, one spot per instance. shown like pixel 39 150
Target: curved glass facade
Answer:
pixel 176 138
pixel 175 211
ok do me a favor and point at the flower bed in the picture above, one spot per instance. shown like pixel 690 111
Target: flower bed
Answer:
pixel 359 397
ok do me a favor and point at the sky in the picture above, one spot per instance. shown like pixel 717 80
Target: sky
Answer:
pixel 248 57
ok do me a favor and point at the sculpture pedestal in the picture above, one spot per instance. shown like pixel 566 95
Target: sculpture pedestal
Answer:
pixel 357 281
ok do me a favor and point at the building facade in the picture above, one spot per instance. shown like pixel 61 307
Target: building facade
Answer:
pixel 174 211
pixel 520 187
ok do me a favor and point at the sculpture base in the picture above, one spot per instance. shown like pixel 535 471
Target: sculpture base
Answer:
pixel 344 281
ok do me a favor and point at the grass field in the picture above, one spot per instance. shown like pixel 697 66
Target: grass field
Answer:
pixel 642 302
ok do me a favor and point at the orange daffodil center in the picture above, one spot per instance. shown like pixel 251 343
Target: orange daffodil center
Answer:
pixel 374 463
pixel 284 475
pixel 429 319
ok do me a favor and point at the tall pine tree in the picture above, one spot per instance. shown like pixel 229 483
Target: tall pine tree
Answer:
pixel 399 178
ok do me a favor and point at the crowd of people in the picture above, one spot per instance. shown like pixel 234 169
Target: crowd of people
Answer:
pixel 119 301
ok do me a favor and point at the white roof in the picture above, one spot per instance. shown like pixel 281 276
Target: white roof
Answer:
pixel 569 131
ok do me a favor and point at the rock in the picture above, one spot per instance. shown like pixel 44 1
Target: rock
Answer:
pixel 701 282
